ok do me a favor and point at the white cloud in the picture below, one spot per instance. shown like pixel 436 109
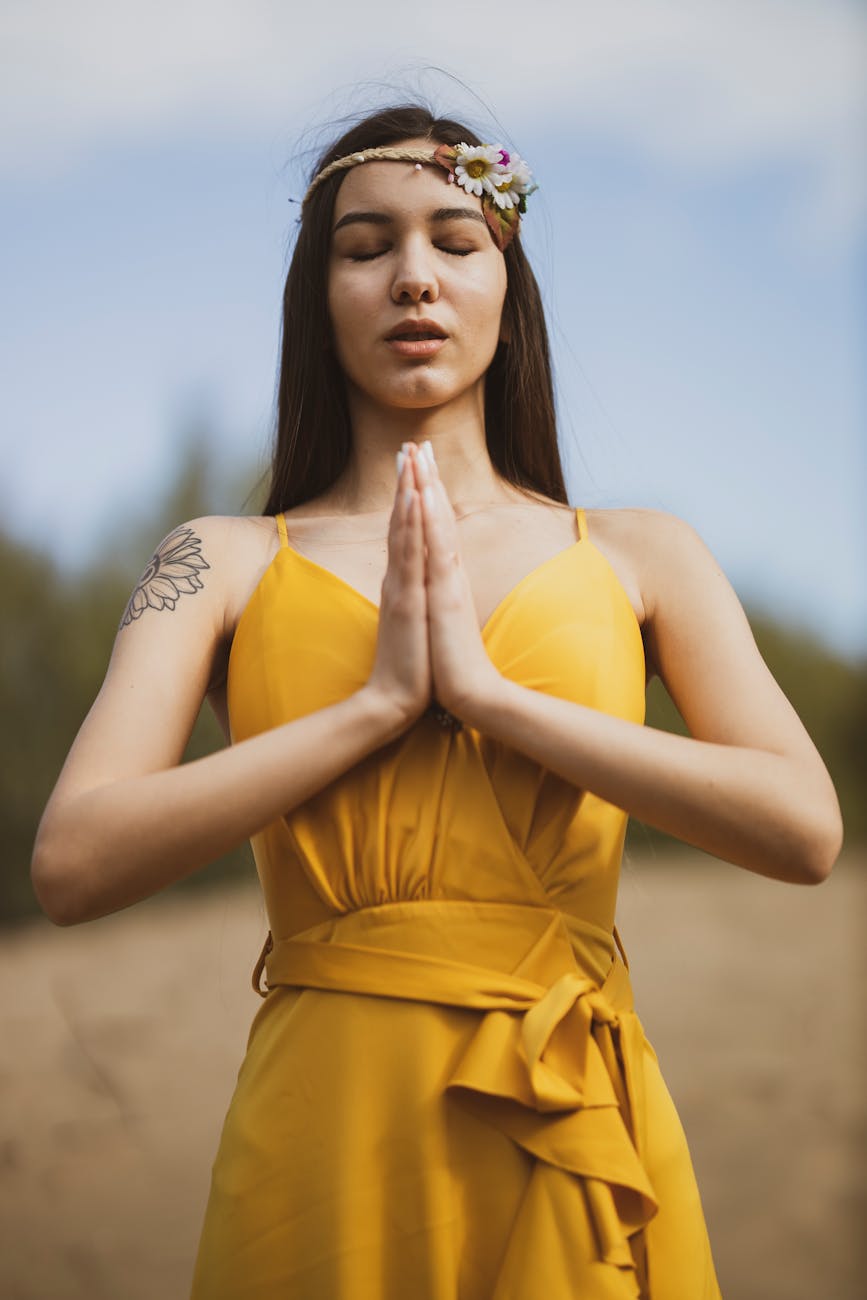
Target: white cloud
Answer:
pixel 706 85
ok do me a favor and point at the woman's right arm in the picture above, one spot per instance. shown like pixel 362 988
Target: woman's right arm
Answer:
pixel 126 818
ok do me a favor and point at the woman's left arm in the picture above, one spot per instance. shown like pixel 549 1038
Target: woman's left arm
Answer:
pixel 746 785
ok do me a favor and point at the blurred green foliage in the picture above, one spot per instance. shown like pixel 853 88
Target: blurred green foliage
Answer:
pixel 828 693
pixel 57 633
pixel 56 638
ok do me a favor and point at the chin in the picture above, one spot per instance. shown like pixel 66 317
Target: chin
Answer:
pixel 413 391
pixel 422 393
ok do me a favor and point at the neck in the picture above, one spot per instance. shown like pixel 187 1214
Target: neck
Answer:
pixel 456 431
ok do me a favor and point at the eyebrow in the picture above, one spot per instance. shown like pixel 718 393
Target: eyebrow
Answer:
pixel 383 219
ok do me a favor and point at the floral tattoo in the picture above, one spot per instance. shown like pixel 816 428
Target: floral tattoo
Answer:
pixel 173 571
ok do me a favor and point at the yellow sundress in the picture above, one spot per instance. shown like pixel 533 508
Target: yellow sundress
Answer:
pixel 446 1093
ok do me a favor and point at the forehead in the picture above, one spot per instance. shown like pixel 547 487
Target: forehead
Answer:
pixel 400 189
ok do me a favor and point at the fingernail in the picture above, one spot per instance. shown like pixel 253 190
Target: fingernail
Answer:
pixel 401 457
pixel 428 450
pixel 404 446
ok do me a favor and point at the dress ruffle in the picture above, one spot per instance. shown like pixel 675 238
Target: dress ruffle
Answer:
pixel 555 1063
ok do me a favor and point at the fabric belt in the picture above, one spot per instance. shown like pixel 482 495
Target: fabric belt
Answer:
pixel 556 1061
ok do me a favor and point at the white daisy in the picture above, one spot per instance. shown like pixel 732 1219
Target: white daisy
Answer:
pixel 503 195
pixel 522 177
pixel 478 168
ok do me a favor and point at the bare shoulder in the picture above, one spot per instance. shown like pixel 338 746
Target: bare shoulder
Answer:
pixel 633 527
pixel 688 602
pixel 647 547
pixel 177 568
pixel 666 554
pixel 625 535
pixel 252 542
pixel 202 557
pixel 204 570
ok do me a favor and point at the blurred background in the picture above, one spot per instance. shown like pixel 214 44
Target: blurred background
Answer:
pixel 699 235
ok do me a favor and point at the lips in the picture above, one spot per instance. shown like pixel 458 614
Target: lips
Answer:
pixel 415 330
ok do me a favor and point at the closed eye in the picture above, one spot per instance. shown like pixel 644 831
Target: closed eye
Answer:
pixel 368 257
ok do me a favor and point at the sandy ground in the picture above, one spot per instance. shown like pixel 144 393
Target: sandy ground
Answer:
pixel 121 1041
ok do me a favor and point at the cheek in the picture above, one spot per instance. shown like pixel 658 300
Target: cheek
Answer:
pixel 346 309
pixel 336 299
pixel 482 304
pixel 482 278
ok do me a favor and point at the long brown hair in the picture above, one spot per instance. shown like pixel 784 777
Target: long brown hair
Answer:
pixel 313 437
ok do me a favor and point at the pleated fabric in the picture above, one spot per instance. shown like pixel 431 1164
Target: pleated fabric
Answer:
pixel 447 1093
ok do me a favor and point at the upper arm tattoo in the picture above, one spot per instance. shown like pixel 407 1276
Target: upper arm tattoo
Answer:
pixel 172 571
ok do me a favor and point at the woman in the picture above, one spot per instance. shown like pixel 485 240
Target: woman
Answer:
pixel 435 694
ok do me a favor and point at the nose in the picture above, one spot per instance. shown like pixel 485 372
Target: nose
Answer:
pixel 415 277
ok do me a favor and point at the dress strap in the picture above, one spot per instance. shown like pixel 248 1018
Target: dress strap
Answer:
pixel 582 523
pixel 281 528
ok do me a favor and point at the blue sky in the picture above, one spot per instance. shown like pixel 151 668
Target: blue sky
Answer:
pixel 699 234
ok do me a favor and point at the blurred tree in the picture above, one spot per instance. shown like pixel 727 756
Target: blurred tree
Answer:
pixel 828 693
pixel 55 643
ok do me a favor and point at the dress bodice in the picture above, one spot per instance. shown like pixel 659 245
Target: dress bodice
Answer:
pixel 437 813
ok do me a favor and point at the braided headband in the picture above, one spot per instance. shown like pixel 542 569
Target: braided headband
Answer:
pixel 501 179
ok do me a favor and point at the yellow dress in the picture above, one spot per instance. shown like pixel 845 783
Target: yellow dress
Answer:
pixel 446 1093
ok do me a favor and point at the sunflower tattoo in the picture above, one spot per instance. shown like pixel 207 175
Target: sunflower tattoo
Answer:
pixel 172 571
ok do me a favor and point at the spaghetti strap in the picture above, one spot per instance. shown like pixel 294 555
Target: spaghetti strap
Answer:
pixel 582 523
pixel 281 528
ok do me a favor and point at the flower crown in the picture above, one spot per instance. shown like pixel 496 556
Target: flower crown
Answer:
pixel 502 180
